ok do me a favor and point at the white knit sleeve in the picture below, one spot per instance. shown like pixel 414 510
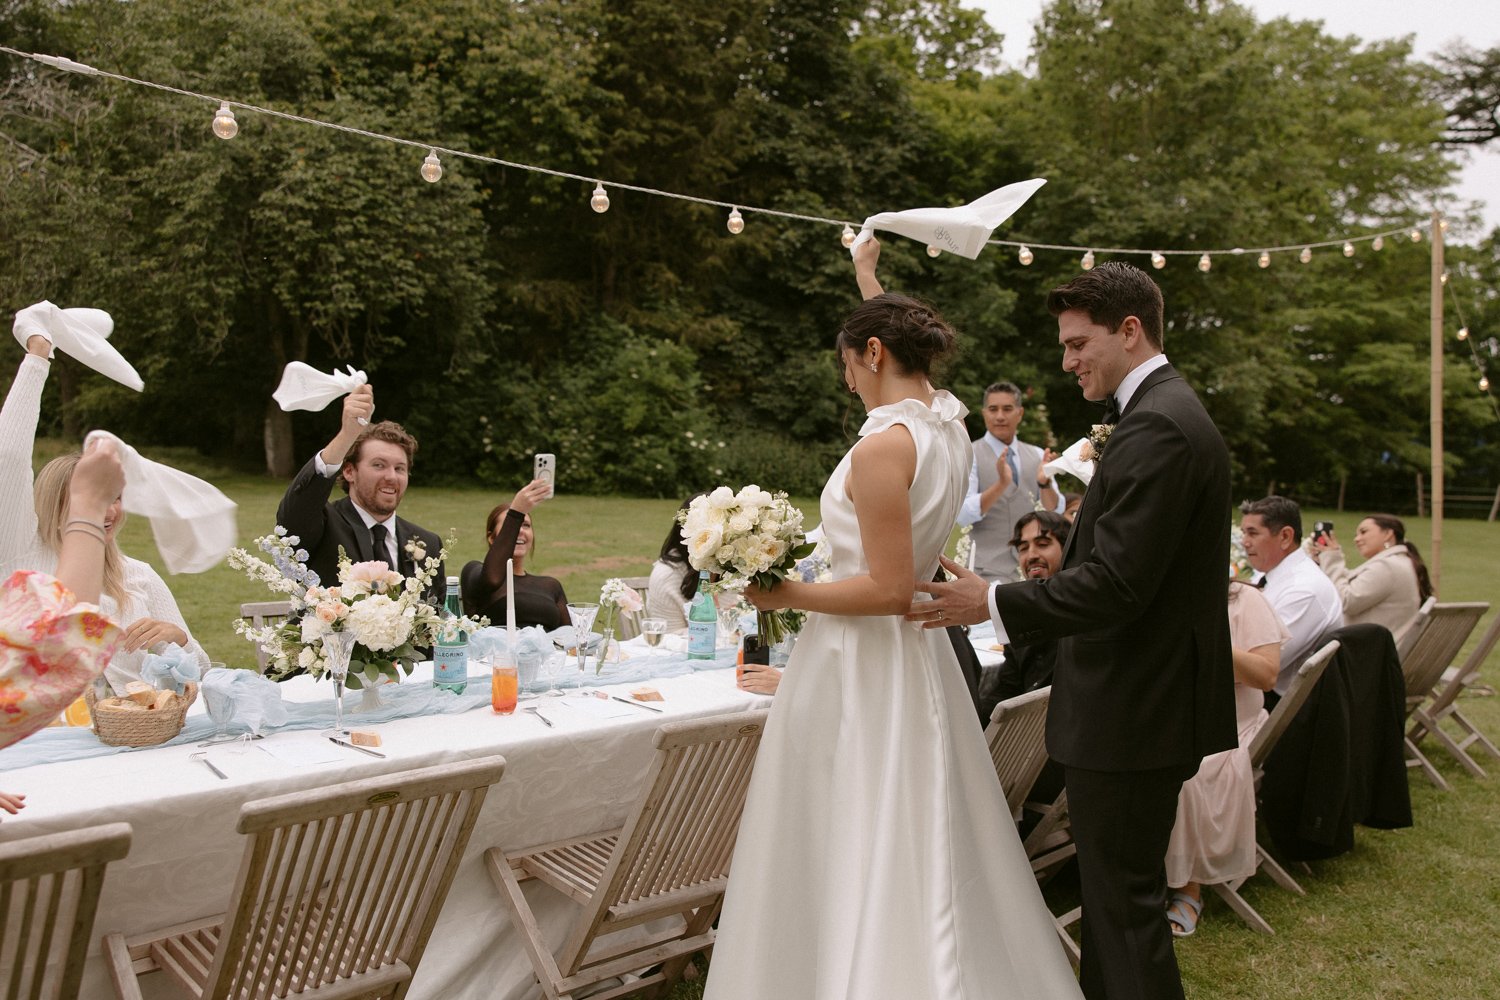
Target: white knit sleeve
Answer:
pixel 18 420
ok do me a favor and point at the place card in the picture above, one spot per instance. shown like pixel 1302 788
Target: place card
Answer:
pixel 302 753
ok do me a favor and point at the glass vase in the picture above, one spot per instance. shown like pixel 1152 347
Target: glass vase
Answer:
pixel 336 649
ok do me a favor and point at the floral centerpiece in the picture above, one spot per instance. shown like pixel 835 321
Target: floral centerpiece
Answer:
pixel 614 597
pixel 752 535
pixel 388 614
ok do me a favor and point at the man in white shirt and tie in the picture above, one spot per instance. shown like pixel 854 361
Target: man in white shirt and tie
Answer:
pixel 1303 597
pixel 1006 481
pixel 372 462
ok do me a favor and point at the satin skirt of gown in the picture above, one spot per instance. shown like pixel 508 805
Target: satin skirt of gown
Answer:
pixel 876 857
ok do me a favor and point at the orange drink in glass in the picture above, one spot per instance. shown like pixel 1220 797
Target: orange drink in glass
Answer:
pixel 504 687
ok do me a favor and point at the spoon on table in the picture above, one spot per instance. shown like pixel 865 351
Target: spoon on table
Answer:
pixel 537 712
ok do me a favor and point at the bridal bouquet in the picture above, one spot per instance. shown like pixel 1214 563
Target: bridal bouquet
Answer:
pixel 388 613
pixel 753 535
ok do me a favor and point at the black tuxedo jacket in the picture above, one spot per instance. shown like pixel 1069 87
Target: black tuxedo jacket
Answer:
pixel 323 527
pixel 1144 676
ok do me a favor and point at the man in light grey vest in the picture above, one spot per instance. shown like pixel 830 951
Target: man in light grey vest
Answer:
pixel 1006 481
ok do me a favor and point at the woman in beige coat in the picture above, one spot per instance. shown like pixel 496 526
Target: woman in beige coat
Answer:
pixel 1388 587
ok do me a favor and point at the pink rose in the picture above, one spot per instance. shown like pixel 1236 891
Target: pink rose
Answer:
pixel 630 600
pixel 374 574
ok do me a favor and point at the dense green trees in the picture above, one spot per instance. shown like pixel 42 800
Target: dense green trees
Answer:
pixel 499 316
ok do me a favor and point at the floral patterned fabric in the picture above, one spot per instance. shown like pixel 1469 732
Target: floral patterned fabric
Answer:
pixel 51 648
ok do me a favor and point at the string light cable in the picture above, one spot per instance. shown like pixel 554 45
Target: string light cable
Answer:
pixel 1466 337
pixel 227 127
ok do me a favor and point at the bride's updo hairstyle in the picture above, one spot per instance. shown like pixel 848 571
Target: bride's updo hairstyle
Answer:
pixel 913 332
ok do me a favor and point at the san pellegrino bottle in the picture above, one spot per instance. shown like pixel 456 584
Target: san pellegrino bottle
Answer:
pixel 450 657
pixel 703 622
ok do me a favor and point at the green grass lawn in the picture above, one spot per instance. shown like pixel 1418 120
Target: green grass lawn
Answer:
pixel 1409 913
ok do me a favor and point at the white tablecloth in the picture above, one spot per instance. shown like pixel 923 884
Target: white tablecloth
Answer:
pixel 578 778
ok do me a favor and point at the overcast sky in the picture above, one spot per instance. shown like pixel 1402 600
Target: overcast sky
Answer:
pixel 1435 23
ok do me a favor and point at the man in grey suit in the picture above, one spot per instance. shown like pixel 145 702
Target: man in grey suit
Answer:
pixel 372 462
pixel 1006 482
pixel 1143 687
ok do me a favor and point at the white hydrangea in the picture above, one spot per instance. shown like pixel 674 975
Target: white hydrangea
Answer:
pixel 379 623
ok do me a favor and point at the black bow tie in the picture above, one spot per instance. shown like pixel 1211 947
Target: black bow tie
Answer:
pixel 1261 583
pixel 1111 410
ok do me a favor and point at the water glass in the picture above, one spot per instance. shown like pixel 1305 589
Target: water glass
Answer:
pixel 504 688
pixel 652 629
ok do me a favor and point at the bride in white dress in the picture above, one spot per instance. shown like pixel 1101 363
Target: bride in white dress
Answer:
pixel 876 857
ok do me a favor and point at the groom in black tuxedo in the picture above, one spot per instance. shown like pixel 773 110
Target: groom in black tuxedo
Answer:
pixel 1143 687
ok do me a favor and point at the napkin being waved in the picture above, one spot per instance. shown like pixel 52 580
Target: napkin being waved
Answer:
pixel 252 701
pixel 82 334
pixel 1072 462
pixel 963 230
pixel 171 668
pixel 303 387
pixel 193 522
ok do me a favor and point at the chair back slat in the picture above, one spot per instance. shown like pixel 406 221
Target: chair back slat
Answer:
pixel 1470 669
pixel 49 893
pixel 261 614
pixel 345 882
pixel 1447 630
pixel 1415 628
pixel 682 832
pixel 1291 703
pixel 1017 740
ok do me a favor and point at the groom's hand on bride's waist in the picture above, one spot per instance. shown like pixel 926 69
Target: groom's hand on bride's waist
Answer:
pixel 965 600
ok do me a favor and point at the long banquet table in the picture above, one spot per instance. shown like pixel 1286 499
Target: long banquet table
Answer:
pixel 577 778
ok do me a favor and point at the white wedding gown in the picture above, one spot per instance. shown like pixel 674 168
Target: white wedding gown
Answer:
pixel 876 857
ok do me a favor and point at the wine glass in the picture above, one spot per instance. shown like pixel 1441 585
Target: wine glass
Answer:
pixel 220 709
pixel 652 629
pixel 729 626
pixel 552 665
pixel 582 615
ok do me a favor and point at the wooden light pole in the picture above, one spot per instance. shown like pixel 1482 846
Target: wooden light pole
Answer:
pixel 1435 561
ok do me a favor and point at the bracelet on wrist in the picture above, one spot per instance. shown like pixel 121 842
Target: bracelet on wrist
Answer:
pixel 93 531
pixel 88 521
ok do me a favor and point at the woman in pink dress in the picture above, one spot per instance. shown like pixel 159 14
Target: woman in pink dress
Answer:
pixel 1213 839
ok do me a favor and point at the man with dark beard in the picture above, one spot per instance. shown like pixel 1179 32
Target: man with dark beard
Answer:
pixel 1038 538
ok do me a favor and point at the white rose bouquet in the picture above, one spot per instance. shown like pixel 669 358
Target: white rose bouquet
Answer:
pixel 387 613
pixel 752 534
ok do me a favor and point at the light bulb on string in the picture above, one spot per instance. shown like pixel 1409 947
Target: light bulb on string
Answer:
pixel 1348 249
pixel 1463 333
pixel 1416 235
pixel 1088 261
pixel 432 168
pixel 933 251
pixel 1442 225
pixel 1264 260
pixel 1484 383
pixel 225 127
pixel 1306 255
pixel 847 236
pixel 1025 256
pixel 1204 263
pixel 1157 260
pixel 1443 278
pixel 736 222
pixel 1378 243
pixel 599 201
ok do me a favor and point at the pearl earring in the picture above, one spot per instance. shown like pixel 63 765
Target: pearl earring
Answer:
pixel 873 368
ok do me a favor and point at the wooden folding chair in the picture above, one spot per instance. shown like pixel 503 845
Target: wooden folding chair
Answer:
pixel 49 893
pixel 1416 628
pixel 628 623
pixel 1444 634
pixel 336 895
pixel 670 861
pixel 1260 749
pixel 1427 718
pixel 1016 738
pixel 262 613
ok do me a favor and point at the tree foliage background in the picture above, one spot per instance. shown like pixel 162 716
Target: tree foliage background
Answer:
pixel 655 353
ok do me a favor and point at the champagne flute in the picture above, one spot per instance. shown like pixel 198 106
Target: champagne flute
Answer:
pixel 582 615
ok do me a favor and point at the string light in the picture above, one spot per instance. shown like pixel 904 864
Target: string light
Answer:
pixel 225 127
pixel 1463 333
pixel 1264 260
pixel 1306 255
pixel 1468 341
pixel 847 236
pixel 933 251
pixel 1484 383
pixel 1443 278
pixel 1025 256
pixel 1377 244
pixel 1348 249
pixel 1204 263
pixel 1088 261
pixel 1442 225
pixel 599 201
pixel 736 223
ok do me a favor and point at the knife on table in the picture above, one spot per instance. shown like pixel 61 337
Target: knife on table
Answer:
pixel 351 746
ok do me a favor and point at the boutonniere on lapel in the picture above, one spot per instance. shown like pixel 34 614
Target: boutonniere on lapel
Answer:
pixel 1098 438
pixel 416 550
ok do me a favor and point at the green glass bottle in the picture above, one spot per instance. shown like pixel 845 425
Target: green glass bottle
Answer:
pixel 703 622
pixel 450 657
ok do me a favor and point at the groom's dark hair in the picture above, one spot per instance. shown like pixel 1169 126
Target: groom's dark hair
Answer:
pixel 1108 294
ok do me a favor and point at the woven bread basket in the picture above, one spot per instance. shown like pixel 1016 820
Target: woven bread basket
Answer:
pixel 139 727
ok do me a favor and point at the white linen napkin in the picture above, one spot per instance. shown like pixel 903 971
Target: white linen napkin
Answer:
pixel 962 230
pixel 303 387
pixel 82 334
pixel 193 523
pixel 1072 462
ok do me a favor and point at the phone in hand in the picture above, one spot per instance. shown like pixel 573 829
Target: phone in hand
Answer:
pixel 1321 531
pixel 544 467
pixel 755 651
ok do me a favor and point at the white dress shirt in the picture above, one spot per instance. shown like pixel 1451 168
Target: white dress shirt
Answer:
pixel 1308 605
pixel 1123 393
